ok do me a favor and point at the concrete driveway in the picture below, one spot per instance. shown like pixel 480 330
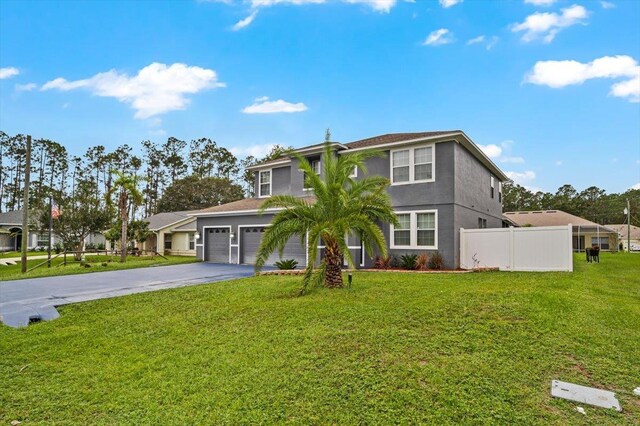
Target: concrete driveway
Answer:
pixel 22 301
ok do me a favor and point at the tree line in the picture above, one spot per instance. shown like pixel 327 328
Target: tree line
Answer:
pixel 592 203
pixel 174 175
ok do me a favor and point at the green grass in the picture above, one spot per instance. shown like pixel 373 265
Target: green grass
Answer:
pixel 14 254
pixel 12 272
pixel 396 348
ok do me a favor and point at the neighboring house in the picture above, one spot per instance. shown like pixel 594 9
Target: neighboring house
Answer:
pixel 585 232
pixel 622 229
pixel 11 234
pixel 440 182
pixel 172 233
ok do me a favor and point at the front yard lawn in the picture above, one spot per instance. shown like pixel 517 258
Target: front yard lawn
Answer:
pixel 396 348
pixel 12 272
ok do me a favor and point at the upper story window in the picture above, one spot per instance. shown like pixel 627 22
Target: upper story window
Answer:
pixel 500 191
pixel 315 165
pixel 412 165
pixel 264 183
pixel 493 187
pixel 416 230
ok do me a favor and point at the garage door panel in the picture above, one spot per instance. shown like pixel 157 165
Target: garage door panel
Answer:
pixel 217 245
pixel 250 242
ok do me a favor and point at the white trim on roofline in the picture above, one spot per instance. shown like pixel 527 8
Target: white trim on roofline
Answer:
pixel 171 224
pixel 268 165
pixel 236 212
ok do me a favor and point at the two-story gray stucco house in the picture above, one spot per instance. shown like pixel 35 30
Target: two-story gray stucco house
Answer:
pixel 440 182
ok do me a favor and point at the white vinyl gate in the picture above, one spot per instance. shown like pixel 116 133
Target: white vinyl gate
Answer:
pixel 544 248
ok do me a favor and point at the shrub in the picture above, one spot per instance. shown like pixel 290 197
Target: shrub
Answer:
pixel 422 262
pixel 58 247
pixel 408 261
pixel 89 247
pixel 100 246
pixel 393 262
pixel 436 261
pixel 382 262
pixel 287 264
pixel 105 264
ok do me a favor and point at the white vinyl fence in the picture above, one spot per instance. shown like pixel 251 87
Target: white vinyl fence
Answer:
pixel 545 248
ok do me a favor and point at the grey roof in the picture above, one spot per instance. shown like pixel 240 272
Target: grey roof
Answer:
pixel 162 220
pixel 11 218
pixel 185 227
pixel 552 218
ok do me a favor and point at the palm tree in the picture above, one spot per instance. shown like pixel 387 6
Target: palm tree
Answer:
pixel 128 195
pixel 343 206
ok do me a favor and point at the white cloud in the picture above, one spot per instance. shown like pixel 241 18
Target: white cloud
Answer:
pixel 439 37
pixel 501 152
pixel 448 3
pixel 8 72
pixel 607 5
pixel 378 5
pixel 559 163
pixel 522 178
pixel 636 186
pixel 66 105
pixel 26 87
pixel 540 2
pixel 264 106
pixel 545 25
pixel 156 89
pixel 258 150
pixel 265 3
pixel 476 40
pixel 383 6
pixel 481 39
pixel 557 74
pixel 245 22
pixel 491 150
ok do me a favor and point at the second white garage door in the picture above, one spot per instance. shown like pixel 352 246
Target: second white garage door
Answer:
pixel 250 238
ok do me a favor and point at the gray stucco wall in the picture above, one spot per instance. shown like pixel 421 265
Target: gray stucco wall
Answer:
pixel 473 187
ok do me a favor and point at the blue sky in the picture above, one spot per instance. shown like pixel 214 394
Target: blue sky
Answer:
pixel 551 89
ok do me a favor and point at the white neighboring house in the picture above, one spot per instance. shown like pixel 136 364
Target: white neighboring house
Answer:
pixel 621 229
pixel 172 233
pixel 11 234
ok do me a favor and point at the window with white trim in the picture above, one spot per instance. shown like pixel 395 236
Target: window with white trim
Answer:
pixel 192 241
pixel 167 241
pixel 416 230
pixel 42 240
pixel 264 186
pixel 500 191
pixel 602 242
pixel 412 165
pixel 426 229
pixel 402 232
pixel 315 165
pixel 354 172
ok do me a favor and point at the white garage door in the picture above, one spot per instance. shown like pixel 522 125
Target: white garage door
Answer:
pixel 250 238
pixel 216 245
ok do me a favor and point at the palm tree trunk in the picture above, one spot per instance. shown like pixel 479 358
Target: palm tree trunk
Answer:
pixel 123 219
pixel 333 262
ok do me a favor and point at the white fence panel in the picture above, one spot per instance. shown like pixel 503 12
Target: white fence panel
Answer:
pixel 547 248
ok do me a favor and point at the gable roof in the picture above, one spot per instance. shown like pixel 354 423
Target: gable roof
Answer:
pixel 622 230
pixel 187 226
pixel 245 205
pixel 11 218
pixel 550 218
pixel 162 220
pixel 397 137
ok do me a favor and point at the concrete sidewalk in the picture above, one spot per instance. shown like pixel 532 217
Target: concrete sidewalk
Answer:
pixel 22 301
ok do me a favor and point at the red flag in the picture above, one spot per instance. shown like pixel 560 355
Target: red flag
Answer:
pixel 55 211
